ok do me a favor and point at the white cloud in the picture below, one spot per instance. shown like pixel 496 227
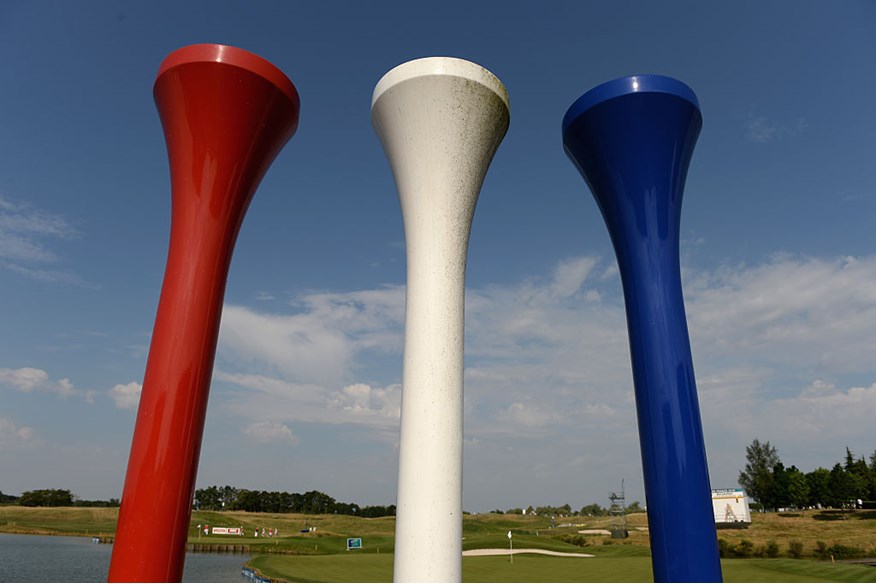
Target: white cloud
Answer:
pixel 547 359
pixel 24 379
pixel 317 344
pixel 812 313
pixel 270 432
pixel 12 435
pixel 27 379
pixel 360 399
pixel 825 411
pixel 126 396
pixel 520 414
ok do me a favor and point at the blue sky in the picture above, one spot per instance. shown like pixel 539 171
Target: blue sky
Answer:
pixel 778 248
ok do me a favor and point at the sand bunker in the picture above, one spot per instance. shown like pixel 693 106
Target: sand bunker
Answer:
pixel 501 552
pixel 594 531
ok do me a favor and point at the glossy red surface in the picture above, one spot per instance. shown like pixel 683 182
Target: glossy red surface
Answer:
pixel 226 115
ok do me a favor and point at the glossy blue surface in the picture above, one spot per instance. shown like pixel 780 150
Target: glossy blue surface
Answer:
pixel 632 140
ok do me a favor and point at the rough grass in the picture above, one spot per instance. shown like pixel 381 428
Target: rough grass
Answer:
pixel 58 520
pixel 853 528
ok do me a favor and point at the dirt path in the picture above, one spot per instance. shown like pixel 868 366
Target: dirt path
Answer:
pixel 501 552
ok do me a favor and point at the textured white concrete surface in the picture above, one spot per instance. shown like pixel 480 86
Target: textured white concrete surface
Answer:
pixel 440 121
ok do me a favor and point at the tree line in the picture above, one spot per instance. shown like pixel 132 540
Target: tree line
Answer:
pixel 230 498
pixel 767 481
pixel 591 510
pixel 53 498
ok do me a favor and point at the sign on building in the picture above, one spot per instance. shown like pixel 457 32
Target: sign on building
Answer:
pixel 731 508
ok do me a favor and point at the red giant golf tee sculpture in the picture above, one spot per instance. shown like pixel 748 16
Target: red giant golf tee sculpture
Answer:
pixel 226 115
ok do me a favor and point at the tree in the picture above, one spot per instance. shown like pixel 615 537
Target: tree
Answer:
pixel 228 496
pixel 819 486
pixel 7 498
pixel 778 496
pixel 249 501
pixel 208 499
pixel 757 476
pixel 872 482
pixel 798 488
pixel 634 507
pixel 46 498
pixel 863 476
pixel 593 510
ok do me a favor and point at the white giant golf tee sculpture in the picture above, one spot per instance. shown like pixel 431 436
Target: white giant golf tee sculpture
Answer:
pixel 440 121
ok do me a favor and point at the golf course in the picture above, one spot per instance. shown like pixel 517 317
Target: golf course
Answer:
pixel 777 547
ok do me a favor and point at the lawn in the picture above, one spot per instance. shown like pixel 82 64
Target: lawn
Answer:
pixel 355 567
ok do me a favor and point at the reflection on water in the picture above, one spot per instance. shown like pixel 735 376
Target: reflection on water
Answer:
pixel 42 558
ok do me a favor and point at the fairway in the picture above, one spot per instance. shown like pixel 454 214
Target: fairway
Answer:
pixel 536 568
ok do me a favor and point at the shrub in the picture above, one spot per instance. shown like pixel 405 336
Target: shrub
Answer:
pixel 821 550
pixel 844 552
pixel 578 540
pixel 744 548
pixel 772 549
pixel 759 552
pixel 795 549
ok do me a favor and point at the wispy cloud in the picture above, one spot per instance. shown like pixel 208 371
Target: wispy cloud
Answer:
pixel 22 228
pixel 763 129
pixel 25 233
pixel 28 379
pixel 13 435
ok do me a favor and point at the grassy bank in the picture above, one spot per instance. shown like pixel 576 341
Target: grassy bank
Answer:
pixel 58 520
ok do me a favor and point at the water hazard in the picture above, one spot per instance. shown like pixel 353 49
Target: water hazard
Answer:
pixel 42 558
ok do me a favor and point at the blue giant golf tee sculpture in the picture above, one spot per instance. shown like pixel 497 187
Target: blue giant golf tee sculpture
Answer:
pixel 632 140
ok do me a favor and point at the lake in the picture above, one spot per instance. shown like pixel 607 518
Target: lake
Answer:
pixel 44 558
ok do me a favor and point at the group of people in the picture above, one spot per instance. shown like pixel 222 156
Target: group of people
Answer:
pixel 267 533
pixel 270 532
